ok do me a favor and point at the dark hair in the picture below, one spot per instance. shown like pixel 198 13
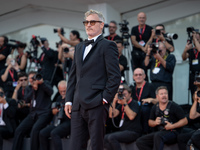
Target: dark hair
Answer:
pixel 161 26
pixel 74 32
pixel 22 45
pixel 32 72
pixel 5 39
pixel 112 21
pixel 22 74
pixel 119 41
pixel 126 87
pixel 160 88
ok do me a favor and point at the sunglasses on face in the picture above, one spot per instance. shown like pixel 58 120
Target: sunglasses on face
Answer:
pixel 138 74
pixel 92 22
pixel 23 80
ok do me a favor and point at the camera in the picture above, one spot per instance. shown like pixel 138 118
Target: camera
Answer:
pixel 37 77
pixel 154 47
pixel 173 36
pixel 190 30
pixel 120 92
pixel 158 32
pixel 12 62
pixel 162 123
pixel 62 31
pixel 66 50
pixel 197 78
pixel 59 106
pixel 124 30
pixel 1 94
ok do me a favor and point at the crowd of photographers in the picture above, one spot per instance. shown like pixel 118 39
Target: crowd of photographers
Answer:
pixel 143 112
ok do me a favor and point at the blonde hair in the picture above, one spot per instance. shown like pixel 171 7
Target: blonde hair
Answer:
pixel 91 11
pixel 10 56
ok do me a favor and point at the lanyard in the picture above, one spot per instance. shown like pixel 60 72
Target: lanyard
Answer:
pixel 140 34
pixel 109 37
pixel 157 64
pixel 12 75
pixel 23 93
pixel 123 109
pixel 141 90
pixel 2 48
pixel 196 52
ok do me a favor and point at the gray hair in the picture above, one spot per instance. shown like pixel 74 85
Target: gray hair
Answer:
pixel 160 88
pixel 91 11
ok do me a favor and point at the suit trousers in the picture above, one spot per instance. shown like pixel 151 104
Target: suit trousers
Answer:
pixel 4 134
pixel 33 124
pixel 156 140
pixel 113 140
pixel 56 133
pixel 88 123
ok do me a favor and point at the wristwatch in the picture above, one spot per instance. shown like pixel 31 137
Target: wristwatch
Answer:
pixel 125 105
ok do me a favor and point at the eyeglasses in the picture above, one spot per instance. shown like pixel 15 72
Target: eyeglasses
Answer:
pixel 112 27
pixel 138 74
pixel 92 22
pixel 23 80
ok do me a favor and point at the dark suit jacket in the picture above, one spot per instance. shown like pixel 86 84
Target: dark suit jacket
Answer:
pixel 95 78
pixel 9 115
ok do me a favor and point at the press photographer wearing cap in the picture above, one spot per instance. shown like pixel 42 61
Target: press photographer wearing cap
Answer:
pixel 129 112
pixel 39 92
pixel 191 52
pixel 161 65
pixel 166 118
pixel 8 125
pixel 9 76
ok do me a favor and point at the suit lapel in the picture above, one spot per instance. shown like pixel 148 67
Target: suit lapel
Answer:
pixel 93 48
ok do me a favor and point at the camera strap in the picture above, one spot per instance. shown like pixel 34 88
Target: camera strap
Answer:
pixel 12 74
pixel 196 52
pixel 141 90
pixel 141 32
pixel 166 109
pixel 2 48
pixel 122 118
pixel 157 64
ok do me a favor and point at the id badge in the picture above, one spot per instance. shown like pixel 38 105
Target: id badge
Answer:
pixel 139 103
pixel 195 62
pixel 142 43
pixel 121 122
pixel 14 84
pixel 156 70
pixel 34 103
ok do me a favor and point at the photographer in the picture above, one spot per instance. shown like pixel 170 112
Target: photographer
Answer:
pixel 144 93
pixel 129 112
pixel 159 35
pixel 4 51
pixel 18 95
pixel 112 30
pixel 60 125
pixel 47 60
pixel 8 109
pixel 166 118
pixel 161 65
pixel 140 35
pixel 39 92
pixel 194 59
pixel 74 37
pixel 21 58
pixel 122 59
pixel 9 76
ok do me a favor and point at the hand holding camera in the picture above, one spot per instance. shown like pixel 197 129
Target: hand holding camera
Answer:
pixel 2 99
pixel 37 79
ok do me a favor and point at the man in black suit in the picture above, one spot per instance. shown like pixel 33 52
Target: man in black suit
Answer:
pixel 93 81
pixel 8 109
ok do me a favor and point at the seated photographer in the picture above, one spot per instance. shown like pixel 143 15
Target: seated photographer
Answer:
pixel 129 112
pixel 74 37
pixel 122 59
pixel 21 58
pixel 60 125
pixel 144 93
pixel 161 65
pixel 8 125
pixel 166 118
pixel 9 76
pixel 194 59
pixel 191 138
pixel 39 92
pixel 18 95
pixel 112 31
pixel 47 60
pixel 4 51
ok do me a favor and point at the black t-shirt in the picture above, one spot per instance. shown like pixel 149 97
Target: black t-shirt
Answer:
pixel 145 36
pixel 123 62
pixel 164 74
pixel 131 125
pixel 173 114
pixel 117 37
pixel 4 51
pixel 194 66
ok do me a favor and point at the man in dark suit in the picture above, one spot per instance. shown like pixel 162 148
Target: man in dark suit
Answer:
pixel 93 81
pixel 8 109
